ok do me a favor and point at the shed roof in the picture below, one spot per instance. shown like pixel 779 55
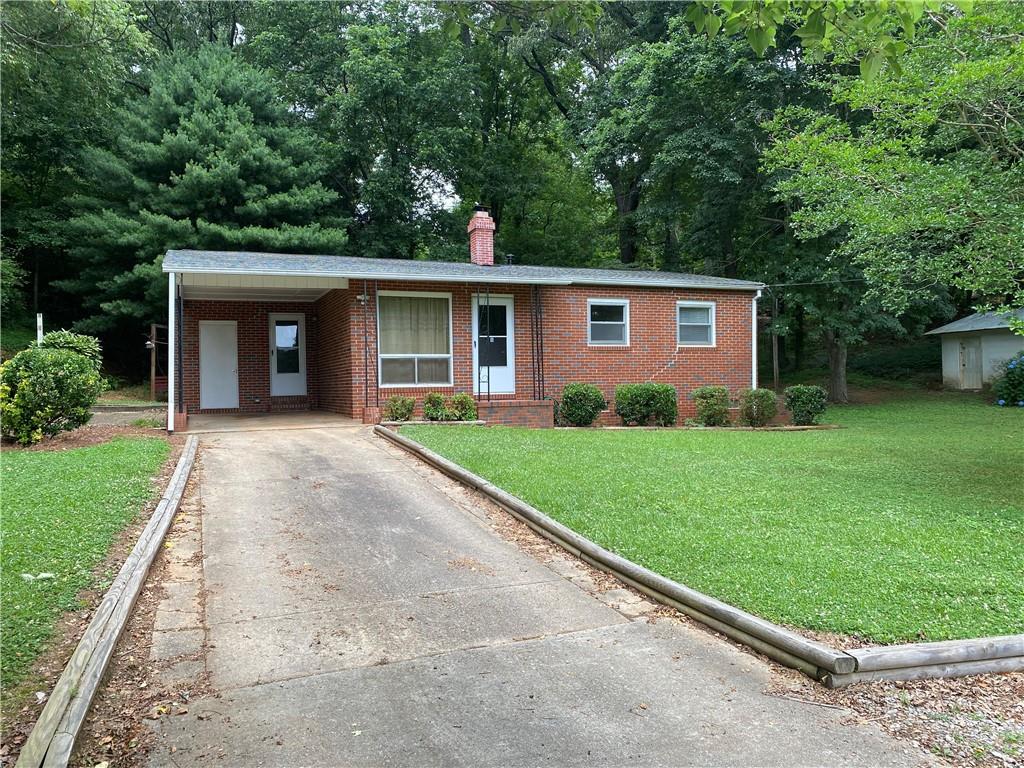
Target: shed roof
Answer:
pixel 979 321
pixel 355 267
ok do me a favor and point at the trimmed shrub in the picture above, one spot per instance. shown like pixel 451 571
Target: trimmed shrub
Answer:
pixel 86 346
pixel 647 403
pixel 398 408
pixel 712 406
pixel 1008 384
pixel 581 404
pixel 757 406
pixel 460 407
pixel 463 406
pixel 435 408
pixel 46 391
pixel 806 402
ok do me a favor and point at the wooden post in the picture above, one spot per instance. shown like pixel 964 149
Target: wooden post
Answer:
pixel 39 327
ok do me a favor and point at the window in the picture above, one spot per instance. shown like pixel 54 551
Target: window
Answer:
pixel 695 323
pixel 608 322
pixel 414 339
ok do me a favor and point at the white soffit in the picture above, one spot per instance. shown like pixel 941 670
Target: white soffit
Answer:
pixel 234 287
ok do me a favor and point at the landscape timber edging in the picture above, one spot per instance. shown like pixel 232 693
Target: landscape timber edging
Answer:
pixel 53 738
pixel 833 667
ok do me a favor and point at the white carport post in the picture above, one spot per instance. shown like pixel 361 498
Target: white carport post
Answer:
pixel 171 337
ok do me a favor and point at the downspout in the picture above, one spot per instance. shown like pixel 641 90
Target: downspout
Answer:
pixel 364 300
pixel 753 340
pixel 376 336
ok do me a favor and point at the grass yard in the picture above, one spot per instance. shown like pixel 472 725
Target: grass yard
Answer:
pixel 61 512
pixel 906 525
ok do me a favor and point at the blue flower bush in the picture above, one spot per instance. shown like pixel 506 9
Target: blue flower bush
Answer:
pixel 1008 384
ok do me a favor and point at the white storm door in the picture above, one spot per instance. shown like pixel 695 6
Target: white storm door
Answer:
pixel 218 364
pixel 287 355
pixel 494 345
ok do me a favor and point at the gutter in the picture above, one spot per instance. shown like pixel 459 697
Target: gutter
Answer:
pixel 442 278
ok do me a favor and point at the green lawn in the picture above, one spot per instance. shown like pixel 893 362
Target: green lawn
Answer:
pixel 61 512
pixel 908 524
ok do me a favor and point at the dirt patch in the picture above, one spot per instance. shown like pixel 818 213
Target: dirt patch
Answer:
pixel 975 721
pixel 93 434
pixel 22 704
pixel 466 563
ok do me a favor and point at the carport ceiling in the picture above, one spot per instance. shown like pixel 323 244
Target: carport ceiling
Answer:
pixel 207 285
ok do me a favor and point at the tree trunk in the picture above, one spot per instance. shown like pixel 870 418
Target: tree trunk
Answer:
pixel 837 389
pixel 798 339
pixel 627 200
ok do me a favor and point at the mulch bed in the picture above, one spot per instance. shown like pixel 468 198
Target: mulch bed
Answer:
pixel 96 434
pixel 23 703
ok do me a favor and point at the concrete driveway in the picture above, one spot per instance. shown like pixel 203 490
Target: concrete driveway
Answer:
pixel 363 610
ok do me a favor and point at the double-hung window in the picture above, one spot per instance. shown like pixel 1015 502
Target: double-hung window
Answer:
pixel 695 323
pixel 414 339
pixel 608 322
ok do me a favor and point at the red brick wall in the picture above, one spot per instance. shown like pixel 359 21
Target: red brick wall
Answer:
pixel 334 354
pixel 652 354
pixel 518 413
pixel 366 394
pixel 253 352
pixel 335 331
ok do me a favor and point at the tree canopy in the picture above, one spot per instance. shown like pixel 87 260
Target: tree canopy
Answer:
pixel 862 158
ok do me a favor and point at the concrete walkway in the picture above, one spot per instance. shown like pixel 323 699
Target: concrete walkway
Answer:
pixel 361 610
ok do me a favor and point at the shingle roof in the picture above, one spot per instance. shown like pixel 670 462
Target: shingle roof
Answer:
pixel 979 321
pixel 354 267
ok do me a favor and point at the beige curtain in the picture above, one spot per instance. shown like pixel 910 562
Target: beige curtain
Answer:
pixel 414 325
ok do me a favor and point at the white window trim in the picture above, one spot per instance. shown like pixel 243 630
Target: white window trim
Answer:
pixel 625 317
pixel 450 357
pixel 711 316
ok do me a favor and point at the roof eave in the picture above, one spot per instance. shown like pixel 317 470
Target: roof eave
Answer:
pixel 483 277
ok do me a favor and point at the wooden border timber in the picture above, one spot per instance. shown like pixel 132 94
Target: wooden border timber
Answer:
pixel 53 738
pixel 833 667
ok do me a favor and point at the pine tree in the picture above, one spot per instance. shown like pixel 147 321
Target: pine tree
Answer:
pixel 209 158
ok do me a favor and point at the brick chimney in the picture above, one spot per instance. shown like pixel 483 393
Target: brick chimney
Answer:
pixel 481 237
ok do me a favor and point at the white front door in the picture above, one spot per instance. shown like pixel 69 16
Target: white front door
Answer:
pixel 218 364
pixel 287 355
pixel 494 345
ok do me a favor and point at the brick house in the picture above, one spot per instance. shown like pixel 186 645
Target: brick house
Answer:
pixel 259 332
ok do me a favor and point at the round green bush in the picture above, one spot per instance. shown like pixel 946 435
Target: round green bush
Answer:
pixel 1008 384
pixel 398 408
pixel 712 406
pixel 647 403
pixel 463 406
pixel 757 406
pixel 435 408
pixel 86 346
pixel 46 391
pixel 581 404
pixel 806 402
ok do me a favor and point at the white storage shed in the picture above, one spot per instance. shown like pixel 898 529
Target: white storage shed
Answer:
pixel 973 346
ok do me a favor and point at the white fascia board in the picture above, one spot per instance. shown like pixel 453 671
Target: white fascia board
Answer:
pixel 442 278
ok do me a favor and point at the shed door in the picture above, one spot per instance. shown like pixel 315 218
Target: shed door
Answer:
pixel 218 364
pixel 970 363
